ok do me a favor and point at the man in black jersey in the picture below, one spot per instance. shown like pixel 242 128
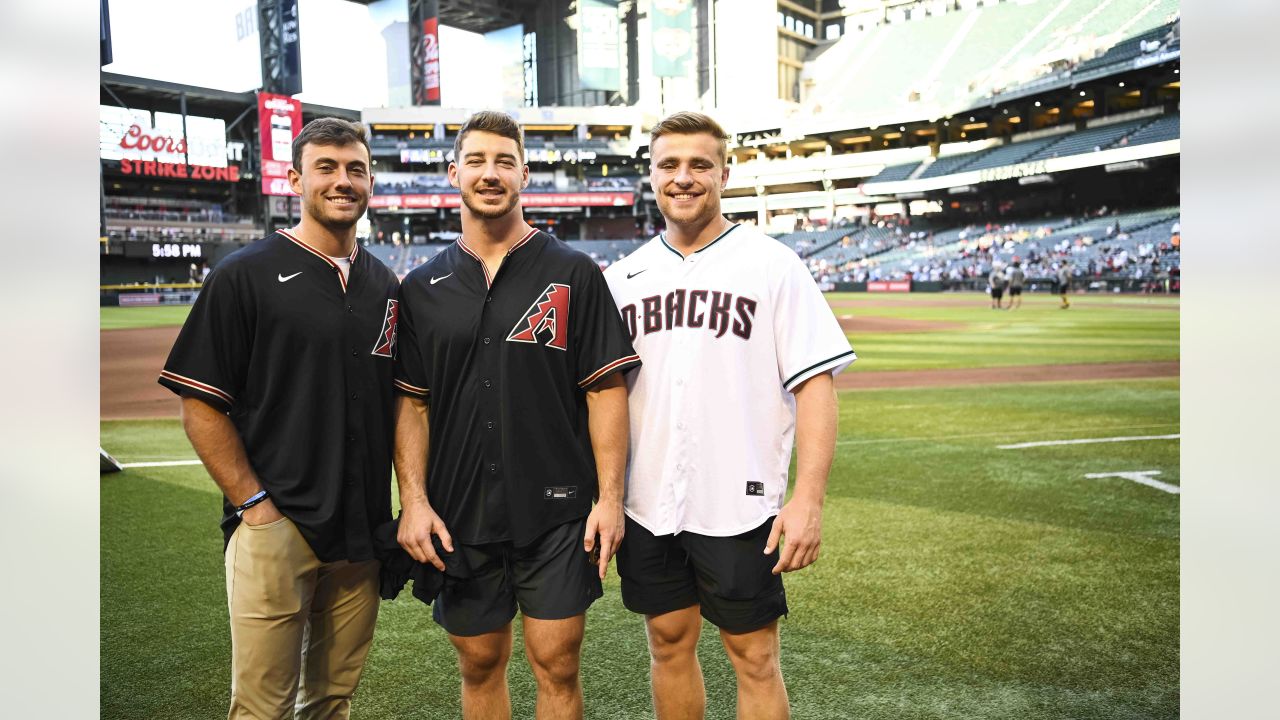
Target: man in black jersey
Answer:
pixel 285 371
pixel 513 418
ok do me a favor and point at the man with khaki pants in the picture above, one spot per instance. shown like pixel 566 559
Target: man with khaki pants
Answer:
pixel 285 371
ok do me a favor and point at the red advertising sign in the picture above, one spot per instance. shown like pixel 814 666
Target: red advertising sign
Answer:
pixel 453 200
pixel 889 286
pixel 431 59
pixel 279 122
pixel 181 171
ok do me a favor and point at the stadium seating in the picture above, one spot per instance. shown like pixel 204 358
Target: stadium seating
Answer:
pixel 895 172
pixel 1089 140
pixel 1166 127
pixel 912 68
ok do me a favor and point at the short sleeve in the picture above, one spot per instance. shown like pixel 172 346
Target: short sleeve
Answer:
pixel 808 337
pixel 412 360
pixel 211 356
pixel 601 343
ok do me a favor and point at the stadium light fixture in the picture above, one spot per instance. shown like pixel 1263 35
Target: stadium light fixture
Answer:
pixel 1006 111
pixel 1037 103
pixel 1121 84
pixel 946 123
pixel 902 128
pixel 1082 93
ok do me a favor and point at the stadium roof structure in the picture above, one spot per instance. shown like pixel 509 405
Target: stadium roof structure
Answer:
pixel 960 60
pixel 130 91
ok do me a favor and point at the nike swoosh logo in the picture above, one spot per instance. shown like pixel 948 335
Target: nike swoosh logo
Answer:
pixel 631 275
pixel 435 280
pixel 283 278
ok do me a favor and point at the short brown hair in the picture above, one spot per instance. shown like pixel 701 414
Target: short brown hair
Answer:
pixel 490 121
pixel 329 131
pixel 687 122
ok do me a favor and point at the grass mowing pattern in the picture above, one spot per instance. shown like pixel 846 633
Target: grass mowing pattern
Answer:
pixel 1096 329
pixel 120 318
pixel 956 580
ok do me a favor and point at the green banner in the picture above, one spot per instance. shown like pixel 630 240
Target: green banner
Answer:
pixel 671 25
pixel 598 47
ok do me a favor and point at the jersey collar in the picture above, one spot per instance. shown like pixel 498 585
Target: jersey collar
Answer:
pixel 663 238
pixel 488 281
pixel 352 258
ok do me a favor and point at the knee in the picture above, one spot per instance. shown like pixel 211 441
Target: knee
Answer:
pixel 479 666
pixel 755 663
pixel 555 666
pixel 672 644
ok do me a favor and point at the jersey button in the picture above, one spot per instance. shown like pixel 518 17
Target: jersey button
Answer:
pixel 355 396
pixel 486 341
pixel 488 298
pixel 355 352
pixel 489 425
pixel 493 468
pixel 350 309
pixel 488 383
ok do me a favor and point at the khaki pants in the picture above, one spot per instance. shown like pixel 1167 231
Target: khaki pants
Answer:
pixel 300 628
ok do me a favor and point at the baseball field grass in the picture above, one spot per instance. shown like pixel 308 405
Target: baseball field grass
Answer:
pixel 959 578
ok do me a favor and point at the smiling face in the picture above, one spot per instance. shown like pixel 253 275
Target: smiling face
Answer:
pixel 334 183
pixel 489 173
pixel 688 176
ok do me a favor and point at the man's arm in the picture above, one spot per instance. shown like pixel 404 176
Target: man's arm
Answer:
pixel 609 426
pixel 218 444
pixel 801 518
pixel 418 521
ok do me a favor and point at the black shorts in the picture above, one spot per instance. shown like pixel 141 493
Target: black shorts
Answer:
pixel 997 293
pixel 1015 291
pixel 729 577
pixel 549 579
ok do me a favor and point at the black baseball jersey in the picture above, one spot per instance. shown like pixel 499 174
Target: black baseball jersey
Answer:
pixel 302 361
pixel 504 363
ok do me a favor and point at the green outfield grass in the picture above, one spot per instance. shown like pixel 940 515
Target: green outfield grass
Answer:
pixel 118 318
pixel 957 580
pixel 1097 328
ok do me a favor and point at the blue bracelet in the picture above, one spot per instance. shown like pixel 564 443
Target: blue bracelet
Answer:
pixel 253 500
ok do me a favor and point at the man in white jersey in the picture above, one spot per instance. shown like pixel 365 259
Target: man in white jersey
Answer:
pixel 739 350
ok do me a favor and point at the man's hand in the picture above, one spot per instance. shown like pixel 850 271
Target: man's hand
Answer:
pixel 605 520
pixel 261 514
pixel 418 522
pixel 801 523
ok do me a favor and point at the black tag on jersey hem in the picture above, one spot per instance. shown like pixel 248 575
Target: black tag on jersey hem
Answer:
pixel 567 492
pixel 755 488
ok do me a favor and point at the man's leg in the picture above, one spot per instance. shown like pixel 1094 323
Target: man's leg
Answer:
pixel 554 649
pixel 674 673
pixel 344 611
pixel 271 575
pixel 755 657
pixel 483 662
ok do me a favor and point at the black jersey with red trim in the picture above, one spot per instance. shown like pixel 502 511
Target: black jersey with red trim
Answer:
pixel 301 359
pixel 504 363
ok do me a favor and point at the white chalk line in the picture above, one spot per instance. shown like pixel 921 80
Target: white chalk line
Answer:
pixel 1142 477
pixel 1005 433
pixel 1087 441
pixel 167 463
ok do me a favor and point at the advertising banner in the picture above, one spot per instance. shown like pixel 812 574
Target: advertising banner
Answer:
pixel 889 286
pixel 671 25
pixel 125 134
pixel 279 122
pixel 598 45
pixel 431 60
pixel 454 200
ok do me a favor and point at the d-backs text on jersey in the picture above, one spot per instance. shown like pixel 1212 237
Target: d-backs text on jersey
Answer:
pixel 708 309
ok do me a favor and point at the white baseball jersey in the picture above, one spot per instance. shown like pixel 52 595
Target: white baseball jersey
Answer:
pixel 724 335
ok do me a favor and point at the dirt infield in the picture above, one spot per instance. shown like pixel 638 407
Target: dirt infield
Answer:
pixel 130 363
pixel 131 360
pixel 854 380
